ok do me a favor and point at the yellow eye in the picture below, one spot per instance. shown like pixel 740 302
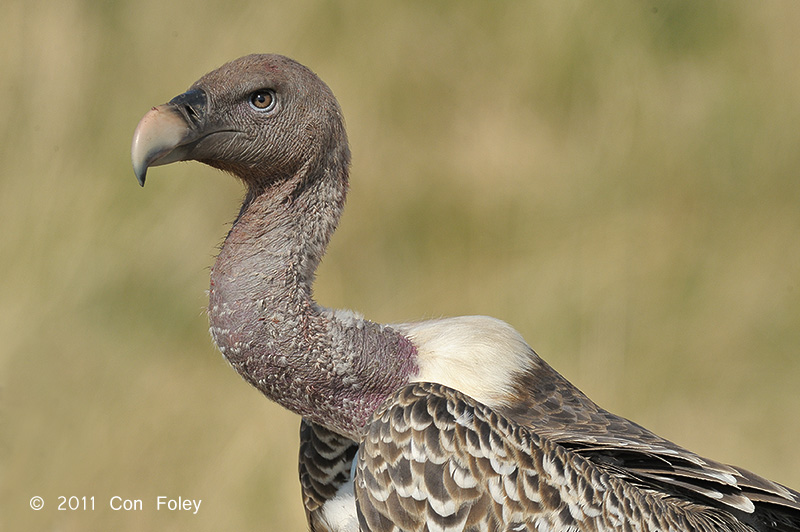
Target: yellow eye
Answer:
pixel 262 100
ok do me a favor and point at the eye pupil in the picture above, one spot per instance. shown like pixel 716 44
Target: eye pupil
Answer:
pixel 262 99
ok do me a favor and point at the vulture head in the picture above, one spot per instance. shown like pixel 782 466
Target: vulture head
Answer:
pixel 263 118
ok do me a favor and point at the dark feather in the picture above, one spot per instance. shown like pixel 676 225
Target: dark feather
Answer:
pixel 326 460
pixel 460 465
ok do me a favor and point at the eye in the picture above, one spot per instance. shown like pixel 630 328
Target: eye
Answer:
pixel 263 100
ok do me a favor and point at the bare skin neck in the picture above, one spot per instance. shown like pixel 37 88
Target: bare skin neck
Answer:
pixel 332 367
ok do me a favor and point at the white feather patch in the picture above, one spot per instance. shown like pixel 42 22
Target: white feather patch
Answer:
pixel 476 355
pixel 339 512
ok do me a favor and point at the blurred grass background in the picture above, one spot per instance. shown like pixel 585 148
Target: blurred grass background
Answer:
pixel 619 181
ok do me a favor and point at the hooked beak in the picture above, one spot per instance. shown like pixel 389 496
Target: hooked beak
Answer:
pixel 168 132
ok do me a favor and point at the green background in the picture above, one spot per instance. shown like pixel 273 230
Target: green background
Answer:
pixel 617 180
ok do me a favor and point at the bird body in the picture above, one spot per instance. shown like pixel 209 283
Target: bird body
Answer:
pixel 449 424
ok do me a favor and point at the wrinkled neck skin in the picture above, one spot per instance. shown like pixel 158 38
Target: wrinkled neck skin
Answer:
pixel 332 367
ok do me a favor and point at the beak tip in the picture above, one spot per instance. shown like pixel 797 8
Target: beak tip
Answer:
pixel 156 138
pixel 164 133
pixel 139 169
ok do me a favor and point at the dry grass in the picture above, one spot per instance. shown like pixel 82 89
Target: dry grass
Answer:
pixel 617 181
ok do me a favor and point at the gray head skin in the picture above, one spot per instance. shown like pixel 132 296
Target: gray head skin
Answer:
pixel 275 125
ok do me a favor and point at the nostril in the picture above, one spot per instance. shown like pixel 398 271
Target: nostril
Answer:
pixel 190 104
pixel 191 113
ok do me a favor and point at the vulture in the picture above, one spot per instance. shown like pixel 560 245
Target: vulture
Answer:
pixel 451 424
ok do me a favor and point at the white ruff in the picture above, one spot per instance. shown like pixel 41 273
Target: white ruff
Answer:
pixel 477 355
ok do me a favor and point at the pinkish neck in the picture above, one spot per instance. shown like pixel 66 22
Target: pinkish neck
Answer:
pixel 330 366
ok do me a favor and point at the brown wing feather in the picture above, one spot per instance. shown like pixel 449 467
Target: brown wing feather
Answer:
pixel 434 458
pixel 326 460
pixel 557 410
